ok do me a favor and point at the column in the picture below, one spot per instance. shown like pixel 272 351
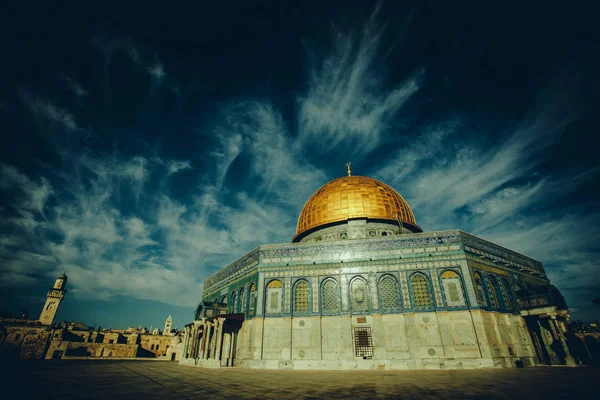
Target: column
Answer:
pixel 206 338
pixel 215 339
pixel 197 341
pixel 186 340
pixel 569 360
pixel 219 338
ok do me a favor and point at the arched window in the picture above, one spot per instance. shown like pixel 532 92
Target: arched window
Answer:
pixel 243 300
pixel 479 291
pixel 252 299
pixel 421 293
pixel 330 297
pixel 301 296
pixel 274 296
pixel 505 291
pixel 388 293
pixel 359 297
pixel 491 289
pixel 453 291
pixel 234 302
pixel 224 299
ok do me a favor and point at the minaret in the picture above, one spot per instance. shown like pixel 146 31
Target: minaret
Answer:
pixel 53 299
pixel 167 330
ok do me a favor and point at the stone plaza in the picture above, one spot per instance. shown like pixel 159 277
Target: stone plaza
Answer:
pixel 102 379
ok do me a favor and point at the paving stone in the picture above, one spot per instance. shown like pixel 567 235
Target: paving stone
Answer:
pixel 37 379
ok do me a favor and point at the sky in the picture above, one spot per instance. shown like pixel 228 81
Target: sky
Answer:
pixel 144 148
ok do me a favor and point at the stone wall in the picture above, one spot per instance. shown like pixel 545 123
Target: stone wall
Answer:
pixel 458 339
pixel 64 349
pixel 24 342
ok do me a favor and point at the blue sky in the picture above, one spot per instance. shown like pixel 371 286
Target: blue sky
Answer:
pixel 144 149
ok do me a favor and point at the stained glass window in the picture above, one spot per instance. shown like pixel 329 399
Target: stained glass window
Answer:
pixel 420 288
pixel 506 295
pixel 301 293
pixel 252 299
pixel 243 301
pixel 274 295
pixel 479 290
pixel 388 292
pixel 453 289
pixel 358 293
pixel 492 292
pixel 331 296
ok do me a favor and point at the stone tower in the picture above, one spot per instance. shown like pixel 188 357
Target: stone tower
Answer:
pixel 53 299
pixel 167 330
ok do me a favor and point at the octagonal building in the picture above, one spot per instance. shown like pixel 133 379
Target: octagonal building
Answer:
pixel 361 286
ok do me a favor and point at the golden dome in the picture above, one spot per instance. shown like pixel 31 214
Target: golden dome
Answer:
pixel 353 197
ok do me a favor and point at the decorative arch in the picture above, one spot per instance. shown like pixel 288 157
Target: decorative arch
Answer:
pixel 274 297
pixel 234 302
pixel 301 296
pixel 389 293
pixel 243 300
pixel 479 289
pixel 252 299
pixel 224 299
pixel 490 283
pixel 507 298
pixel 453 288
pixel 359 295
pixel 330 296
pixel 421 291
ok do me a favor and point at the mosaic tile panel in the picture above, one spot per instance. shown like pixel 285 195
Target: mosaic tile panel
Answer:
pixel 479 290
pixel 405 291
pixel 505 295
pixel 454 293
pixel 491 289
pixel 344 286
pixel 373 288
pixel 438 294
pixel 315 299
pixel 274 295
pixel 288 284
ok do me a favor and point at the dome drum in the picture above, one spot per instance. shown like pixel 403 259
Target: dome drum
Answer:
pixel 355 228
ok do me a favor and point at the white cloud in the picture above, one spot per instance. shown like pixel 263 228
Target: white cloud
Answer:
pixel 156 70
pixel 348 102
pixel 174 166
pixel 75 87
pixel 49 110
pixel 495 189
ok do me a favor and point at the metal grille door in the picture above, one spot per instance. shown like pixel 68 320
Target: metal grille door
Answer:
pixel 363 343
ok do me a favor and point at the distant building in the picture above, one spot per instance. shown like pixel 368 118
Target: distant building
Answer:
pixel 168 322
pixel 53 299
pixel 46 339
